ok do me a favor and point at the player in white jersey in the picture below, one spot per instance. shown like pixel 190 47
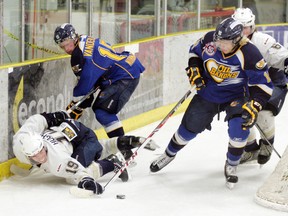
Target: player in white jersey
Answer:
pixel 67 148
pixel 276 57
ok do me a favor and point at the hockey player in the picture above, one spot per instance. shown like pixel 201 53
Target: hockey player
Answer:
pixel 66 148
pixel 223 65
pixel 276 57
pixel 96 64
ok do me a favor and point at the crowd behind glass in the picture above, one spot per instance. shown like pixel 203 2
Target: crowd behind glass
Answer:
pixel 27 27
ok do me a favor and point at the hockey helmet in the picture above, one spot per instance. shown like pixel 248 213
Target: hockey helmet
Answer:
pixel 229 29
pixel 245 16
pixel 64 32
pixel 32 143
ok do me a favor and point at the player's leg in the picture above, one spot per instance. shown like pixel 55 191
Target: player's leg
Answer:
pixel 109 102
pixel 196 119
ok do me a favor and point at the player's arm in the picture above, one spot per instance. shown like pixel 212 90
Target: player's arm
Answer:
pixel 90 76
pixel 70 169
pixel 195 67
pixel 259 84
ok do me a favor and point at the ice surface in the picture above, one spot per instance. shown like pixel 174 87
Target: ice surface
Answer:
pixel 193 184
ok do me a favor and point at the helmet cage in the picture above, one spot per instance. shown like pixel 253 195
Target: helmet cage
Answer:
pixel 229 29
pixel 64 32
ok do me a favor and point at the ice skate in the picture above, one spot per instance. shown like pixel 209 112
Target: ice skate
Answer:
pixel 265 153
pixel 160 162
pixel 118 162
pixel 249 157
pixel 230 175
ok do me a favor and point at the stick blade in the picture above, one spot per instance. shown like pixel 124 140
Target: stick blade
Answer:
pixel 80 193
pixel 19 171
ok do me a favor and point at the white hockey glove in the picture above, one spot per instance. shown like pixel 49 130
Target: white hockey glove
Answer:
pixel 89 183
pixel 250 113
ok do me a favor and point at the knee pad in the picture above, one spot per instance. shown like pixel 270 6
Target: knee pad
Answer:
pixel 266 121
pixel 252 135
pixel 109 147
pixel 95 170
pixel 238 136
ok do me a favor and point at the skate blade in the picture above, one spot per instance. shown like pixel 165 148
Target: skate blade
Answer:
pixel 230 185
pixel 249 162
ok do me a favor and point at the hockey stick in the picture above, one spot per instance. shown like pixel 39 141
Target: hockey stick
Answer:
pixel 127 163
pixel 79 192
pixel 266 139
pixel 82 99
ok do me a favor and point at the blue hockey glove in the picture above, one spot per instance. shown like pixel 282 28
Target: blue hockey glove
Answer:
pixel 195 78
pixel 250 113
pixel 89 183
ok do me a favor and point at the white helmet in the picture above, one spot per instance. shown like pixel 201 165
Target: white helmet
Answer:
pixel 32 143
pixel 245 16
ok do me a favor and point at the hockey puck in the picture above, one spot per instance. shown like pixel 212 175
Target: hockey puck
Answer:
pixel 120 196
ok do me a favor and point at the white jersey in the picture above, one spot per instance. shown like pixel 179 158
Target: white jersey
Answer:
pixel 59 161
pixel 273 52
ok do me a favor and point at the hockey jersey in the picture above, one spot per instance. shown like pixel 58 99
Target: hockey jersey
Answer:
pixel 101 65
pixel 59 150
pixel 228 77
pixel 273 52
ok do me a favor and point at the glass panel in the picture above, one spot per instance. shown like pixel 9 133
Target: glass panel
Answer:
pixel 109 20
pixel 12 32
pixel 106 20
pixel 41 19
pixel 80 14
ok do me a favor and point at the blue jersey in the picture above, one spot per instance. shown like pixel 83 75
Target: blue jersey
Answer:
pixel 232 76
pixel 103 66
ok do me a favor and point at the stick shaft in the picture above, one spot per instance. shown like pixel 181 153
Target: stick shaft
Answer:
pixel 266 139
pixel 82 99
pixel 128 162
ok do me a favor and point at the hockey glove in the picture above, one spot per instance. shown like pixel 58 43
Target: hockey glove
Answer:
pixel 87 103
pixel 130 142
pixel 56 118
pixel 250 113
pixel 75 113
pixel 195 78
pixel 89 183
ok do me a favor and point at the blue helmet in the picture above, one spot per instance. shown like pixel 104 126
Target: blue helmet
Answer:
pixel 64 32
pixel 229 29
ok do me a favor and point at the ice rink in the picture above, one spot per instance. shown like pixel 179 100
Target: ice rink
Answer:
pixel 193 184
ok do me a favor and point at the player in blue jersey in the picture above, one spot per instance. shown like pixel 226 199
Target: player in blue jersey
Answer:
pixel 230 75
pixel 96 64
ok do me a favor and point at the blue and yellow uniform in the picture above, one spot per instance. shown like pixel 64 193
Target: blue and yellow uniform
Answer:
pixel 101 65
pixel 228 77
pixel 97 64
